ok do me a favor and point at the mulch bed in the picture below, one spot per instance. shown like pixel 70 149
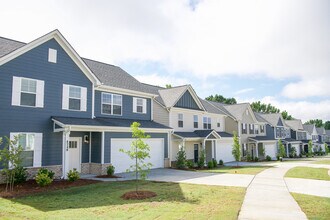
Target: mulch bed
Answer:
pixel 139 195
pixel 31 187
pixel 108 176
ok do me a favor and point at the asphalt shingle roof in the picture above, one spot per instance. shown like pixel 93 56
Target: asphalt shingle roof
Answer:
pixel 260 118
pixel 290 140
pixel 224 134
pixel 320 131
pixel 271 118
pixel 295 124
pixel 237 110
pixel 308 128
pixel 7 46
pixel 109 122
pixel 194 134
pixel 221 107
pixel 171 95
pixel 262 138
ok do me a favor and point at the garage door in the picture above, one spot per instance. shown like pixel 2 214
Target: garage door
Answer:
pixel 270 149
pixel 121 161
pixel 223 151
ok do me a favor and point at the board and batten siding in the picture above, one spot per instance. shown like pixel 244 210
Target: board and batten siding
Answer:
pixel 34 64
pixel 160 114
pixel 127 108
pixel 187 101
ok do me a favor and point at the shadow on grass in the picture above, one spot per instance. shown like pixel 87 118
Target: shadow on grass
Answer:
pixel 103 194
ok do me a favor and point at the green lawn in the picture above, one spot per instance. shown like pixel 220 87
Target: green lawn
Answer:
pixel 314 207
pixel 308 173
pixel 240 170
pixel 327 162
pixel 102 201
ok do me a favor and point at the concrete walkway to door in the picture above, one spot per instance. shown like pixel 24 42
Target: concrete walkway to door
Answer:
pixel 268 197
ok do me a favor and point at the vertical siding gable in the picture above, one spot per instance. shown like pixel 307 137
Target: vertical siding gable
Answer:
pixel 187 101
pixel 279 123
pixel 270 131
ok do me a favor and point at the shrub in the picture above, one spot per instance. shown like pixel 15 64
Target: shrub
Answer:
pixel 201 159
pixel 220 162
pixel 268 158
pixel 215 164
pixel 190 164
pixel 256 159
pixel 248 157
pixel 49 173
pixel 181 159
pixel 293 152
pixel 73 175
pixel 43 179
pixel 20 174
pixel 210 164
pixel 110 170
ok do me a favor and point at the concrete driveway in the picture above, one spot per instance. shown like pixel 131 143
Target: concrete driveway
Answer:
pixel 180 176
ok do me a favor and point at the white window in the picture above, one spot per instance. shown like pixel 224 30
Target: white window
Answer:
pixel 111 104
pixel 74 98
pixel 32 148
pixel 28 92
pixel 207 123
pixel 218 123
pixel 139 105
pixel 52 55
pixel 180 120
pixel 195 121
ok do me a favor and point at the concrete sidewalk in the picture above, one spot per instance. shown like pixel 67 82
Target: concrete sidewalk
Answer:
pixel 267 197
pixel 308 186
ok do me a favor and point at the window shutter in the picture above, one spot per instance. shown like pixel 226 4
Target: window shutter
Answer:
pixel 65 97
pixel 40 94
pixel 16 91
pixel 83 106
pixel 144 106
pixel 134 104
pixel 37 150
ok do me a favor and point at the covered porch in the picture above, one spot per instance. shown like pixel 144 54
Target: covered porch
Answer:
pixel 293 147
pixel 263 143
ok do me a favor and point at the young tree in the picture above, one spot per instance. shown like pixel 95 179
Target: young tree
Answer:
pixel 281 149
pixel 310 148
pixel 138 152
pixel 236 151
pixel 181 160
pixel 326 147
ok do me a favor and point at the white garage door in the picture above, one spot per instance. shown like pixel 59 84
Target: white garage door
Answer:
pixel 223 151
pixel 121 161
pixel 270 149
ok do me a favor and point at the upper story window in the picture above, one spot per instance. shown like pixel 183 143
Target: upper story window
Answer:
pixel 251 130
pixel 218 123
pixel 262 128
pixel 256 129
pixel 111 104
pixel 52 55
pixel 32 147
pixel 287 133
pixel 207 123
pixel 195 121
pixel 280 132
pixel 139 105
pixel 28 92
pixel 244 128
pixel 180 120
pixel 74 98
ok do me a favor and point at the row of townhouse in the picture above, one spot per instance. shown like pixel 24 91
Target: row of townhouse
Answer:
pixel 72 112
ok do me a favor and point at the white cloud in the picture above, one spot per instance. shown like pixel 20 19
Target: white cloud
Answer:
pixel 158 80
pixel 307 88
pixel 242 91
pixel 303 110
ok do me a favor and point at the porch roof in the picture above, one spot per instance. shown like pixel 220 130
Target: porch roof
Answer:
pixel 290 140
pixel 107 122
pixel 261 138
pixel 197 134
pixel 224 134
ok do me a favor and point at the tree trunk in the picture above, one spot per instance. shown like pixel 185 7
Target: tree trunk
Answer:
pixel 136 171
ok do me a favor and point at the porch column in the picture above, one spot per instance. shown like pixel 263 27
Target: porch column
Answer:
pixel 213 150
pixel 287 150
pixel 65 144
pixel 257 153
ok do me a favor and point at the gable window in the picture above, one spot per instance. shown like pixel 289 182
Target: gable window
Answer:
pixel 74 98
pixel 180 120
pixel 207 123
pixel 52 55
pixel 111 104
pixel 32 148
pixel 195 121
pixel 244 128
pixel 139 105
pixel 28 92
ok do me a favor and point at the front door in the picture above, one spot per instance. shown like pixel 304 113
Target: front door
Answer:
pixel 73 153
pixel 196 153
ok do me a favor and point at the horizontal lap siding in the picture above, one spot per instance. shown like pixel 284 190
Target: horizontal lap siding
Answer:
pixel 34 64
pixel 109 135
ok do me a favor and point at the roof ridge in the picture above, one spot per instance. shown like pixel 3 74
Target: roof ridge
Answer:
pixel 101 62
pixel 6 38
pixel 153 85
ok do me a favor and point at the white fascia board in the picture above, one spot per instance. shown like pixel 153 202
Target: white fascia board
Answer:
pixel 111 89
pixel 112 129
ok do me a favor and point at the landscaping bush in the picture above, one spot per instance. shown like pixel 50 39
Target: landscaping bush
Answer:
pixel 73 175
pixel 201 159
pixel 43 179
pixel 190 164
pixel 20 174
pixel 110 170
pixel 293 152
pixel 220 162
pixel 268 158
pixel 49 173
pixel 248 157
pixel 215 164
pixel 210 165
pixel 256 159
pixel 181 160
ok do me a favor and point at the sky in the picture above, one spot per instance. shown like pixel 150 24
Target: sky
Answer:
pixel 275 51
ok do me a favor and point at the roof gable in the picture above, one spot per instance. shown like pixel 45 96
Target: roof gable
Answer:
pixel 238 110
pixel 280 122
pixel 187 101
pixel 19 49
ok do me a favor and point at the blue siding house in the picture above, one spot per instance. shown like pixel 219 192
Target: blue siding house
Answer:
pixel 70 112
